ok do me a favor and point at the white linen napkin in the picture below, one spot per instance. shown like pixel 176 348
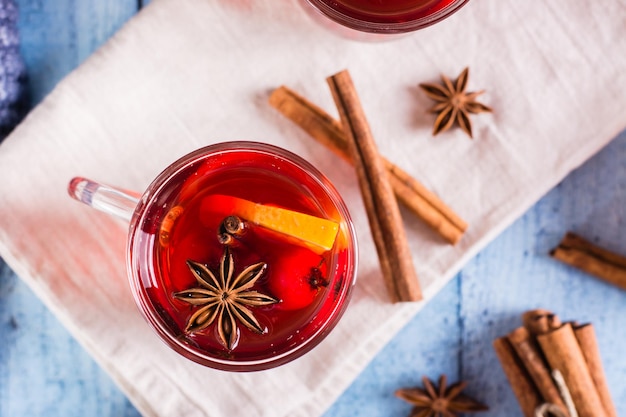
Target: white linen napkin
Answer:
pixel 186 73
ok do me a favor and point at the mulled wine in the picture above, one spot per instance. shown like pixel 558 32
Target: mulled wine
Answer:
pixel 242 255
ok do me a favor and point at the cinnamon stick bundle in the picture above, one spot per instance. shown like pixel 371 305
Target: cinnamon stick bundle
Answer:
pixel 329 132
pixel 378 197
pixel 582 254
pixel 531 357
pixel 564 354
pixel 545 346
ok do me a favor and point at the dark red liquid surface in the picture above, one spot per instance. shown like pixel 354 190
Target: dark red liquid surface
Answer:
pixel 179 227
pixel 388 11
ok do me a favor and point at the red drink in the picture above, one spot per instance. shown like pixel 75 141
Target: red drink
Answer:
pixel 391 11
pixel 386 16
pixel 183 256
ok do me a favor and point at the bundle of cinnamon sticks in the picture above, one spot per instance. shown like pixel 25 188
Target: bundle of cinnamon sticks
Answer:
pixel 382 183
pixel 548 362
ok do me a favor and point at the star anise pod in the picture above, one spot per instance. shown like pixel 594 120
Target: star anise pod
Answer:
pixel 441 401
pixel 453 103
pixel 225 298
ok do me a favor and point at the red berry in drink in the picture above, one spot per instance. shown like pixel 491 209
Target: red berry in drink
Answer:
pixel 297 278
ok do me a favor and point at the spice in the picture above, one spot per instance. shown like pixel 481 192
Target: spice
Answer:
pixel 231 228
pixel 382 209
pixel 527 394
pixel 441 401
pixel 532 358
pixel 454 105
pixel 226 298
pixel 582 254
pixel 586 337
pixel 329 132
pixel 540 321
pixel 568 353
pixel 564 354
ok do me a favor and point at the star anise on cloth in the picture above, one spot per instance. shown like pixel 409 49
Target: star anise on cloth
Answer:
pixel 454 105
pixel 439 401
pixel 225 298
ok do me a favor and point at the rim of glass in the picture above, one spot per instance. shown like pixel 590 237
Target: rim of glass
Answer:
pixel 384 27
pixel 144 304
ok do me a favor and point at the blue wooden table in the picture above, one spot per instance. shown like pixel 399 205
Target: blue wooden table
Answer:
pixel 44 372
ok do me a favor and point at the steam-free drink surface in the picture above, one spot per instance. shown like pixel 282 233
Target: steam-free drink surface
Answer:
pixel 392 11
pixel 308 285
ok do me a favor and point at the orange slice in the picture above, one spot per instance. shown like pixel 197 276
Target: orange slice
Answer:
pixel 314 232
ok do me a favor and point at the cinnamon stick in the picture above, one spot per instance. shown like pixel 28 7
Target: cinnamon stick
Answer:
pixel 582 254
pixel 329 132
pixel 564 354
pixel 532 359
pixel 586 337
pixel 383 213
pixel 540 321
pixel 525 391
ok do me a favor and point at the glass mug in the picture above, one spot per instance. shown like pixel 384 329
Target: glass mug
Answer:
pixel 390 17
pixel 240 255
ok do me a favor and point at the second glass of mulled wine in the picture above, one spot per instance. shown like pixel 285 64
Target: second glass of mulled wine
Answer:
pixel 387 17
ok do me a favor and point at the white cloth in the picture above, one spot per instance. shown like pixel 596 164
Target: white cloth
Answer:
pixel 187 73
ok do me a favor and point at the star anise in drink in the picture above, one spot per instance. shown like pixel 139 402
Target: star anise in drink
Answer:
pixel 226 298
pixel 454 105
pixel 441 401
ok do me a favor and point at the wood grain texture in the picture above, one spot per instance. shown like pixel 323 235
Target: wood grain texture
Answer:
pixel 44 372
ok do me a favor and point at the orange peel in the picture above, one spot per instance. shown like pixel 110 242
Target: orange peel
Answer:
pixel 316 233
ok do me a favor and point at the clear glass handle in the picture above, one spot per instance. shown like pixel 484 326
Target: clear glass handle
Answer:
pixel 111 200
